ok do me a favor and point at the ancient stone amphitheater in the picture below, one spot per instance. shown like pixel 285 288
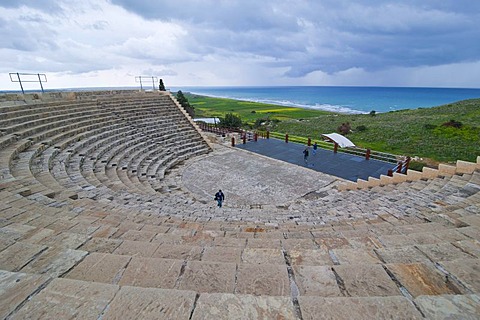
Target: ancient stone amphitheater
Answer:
pixel 107 212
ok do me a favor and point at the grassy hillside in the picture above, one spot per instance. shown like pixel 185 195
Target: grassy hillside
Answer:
pixel 417 132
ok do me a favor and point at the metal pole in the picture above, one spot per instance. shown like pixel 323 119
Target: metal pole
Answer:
pixel 20 81
pixel 153 84
pixel 141 88
pixel 40 80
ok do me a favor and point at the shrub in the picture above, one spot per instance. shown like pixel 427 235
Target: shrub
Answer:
pixel 185 104
pixel 361 128
pixel 373 113
pixel 429 126
pixel 453 123
pixel 345 128
pixel 231 121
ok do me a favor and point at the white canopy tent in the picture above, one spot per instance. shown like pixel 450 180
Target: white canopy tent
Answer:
pixel 339 139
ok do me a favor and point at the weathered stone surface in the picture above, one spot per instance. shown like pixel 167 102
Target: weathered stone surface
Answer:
pixel 316 281
pixel 208 277
pixel 137 248
pixel 149 303
pixel 239 307
pixel 354 256
pixel 422 279
pixel 467 271
pixel 101 245
pixel 15 231
pixel 317 257
pixel 393 241
pixel 230 242
pixel 68 299
pixel 15 288
pixel 366 280
pixel 104 231
pixel 5 243
pixel 471 247
pixel 408 254
pixel 295 244
pixel 263 279
pixel 222 254
pixel 443 252
pixel 84 228
pixel 55 261
pixel 472 232
pixel 330 243
pixel 464 307
pixel 364 308
pixel 151 272
pixel 181 252
pixel 15 257
pixel 136 235
pixel 100 267
pixel 273 183
pixel 264 243
pixel 450 235
pixel 65 240
pixel 263 255
pixel 39 235
pixel 365 242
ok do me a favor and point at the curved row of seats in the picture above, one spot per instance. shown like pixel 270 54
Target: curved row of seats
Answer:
pixel 85 233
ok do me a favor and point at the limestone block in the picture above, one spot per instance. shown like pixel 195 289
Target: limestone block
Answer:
pixel 362 184
pixel 362 280
pixel 384 180
pixel 69 299
pixel 360 308
pixel 446 170
pixel 450 306
pixel 421 279
pixel 209 277
pixel 149 303
pixel 399 177
pixel 16 288
pixel 413 175
pixel 373 182
pixel 465 166
pixel 238 306
pixel 316 281
pixel 263 279
pixel 429 172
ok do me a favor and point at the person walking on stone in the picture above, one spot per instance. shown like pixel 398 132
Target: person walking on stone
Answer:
pixel 305 155
pixel 220 197
pixel 315 146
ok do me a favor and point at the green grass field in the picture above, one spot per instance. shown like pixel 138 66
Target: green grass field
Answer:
pixel 418 132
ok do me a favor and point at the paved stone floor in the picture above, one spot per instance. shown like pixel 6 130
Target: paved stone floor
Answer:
pixel 341 165
pixel 248 179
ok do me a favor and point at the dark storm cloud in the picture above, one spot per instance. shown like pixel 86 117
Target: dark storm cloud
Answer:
pixel 328 36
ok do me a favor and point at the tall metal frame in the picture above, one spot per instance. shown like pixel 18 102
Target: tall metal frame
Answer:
pixel 41 77
pixel 148 79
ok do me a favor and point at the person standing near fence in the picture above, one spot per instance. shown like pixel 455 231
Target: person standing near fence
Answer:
pixel 305 155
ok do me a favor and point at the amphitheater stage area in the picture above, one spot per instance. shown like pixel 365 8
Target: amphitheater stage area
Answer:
pixel 107 212
pixel 343 165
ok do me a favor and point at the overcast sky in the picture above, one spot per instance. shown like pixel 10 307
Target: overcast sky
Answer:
pixel 93 43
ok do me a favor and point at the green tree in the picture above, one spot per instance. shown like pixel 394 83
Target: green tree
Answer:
pixel 161 86
pixel 185 104
pixel 230 121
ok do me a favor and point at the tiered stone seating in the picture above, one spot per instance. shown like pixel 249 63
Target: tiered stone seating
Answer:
pixel 83 236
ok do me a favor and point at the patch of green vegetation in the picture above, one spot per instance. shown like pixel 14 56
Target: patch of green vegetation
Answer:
pixel 419 132
pixel 248 111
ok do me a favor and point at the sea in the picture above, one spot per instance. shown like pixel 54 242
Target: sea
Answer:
pixel 341 99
